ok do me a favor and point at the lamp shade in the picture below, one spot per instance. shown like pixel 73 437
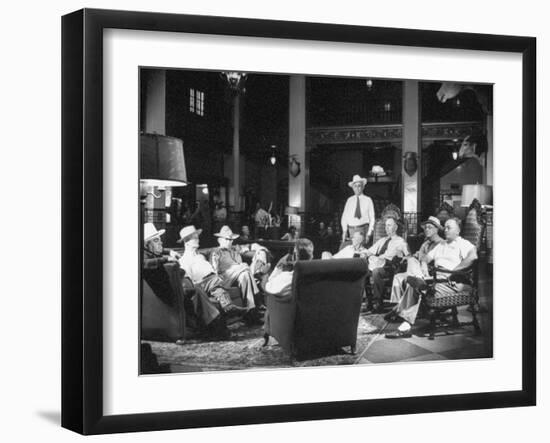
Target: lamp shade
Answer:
pixel 162 160
pixel 483 193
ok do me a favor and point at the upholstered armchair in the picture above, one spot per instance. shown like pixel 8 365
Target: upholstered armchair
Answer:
pixel 163 314
pixel 322 312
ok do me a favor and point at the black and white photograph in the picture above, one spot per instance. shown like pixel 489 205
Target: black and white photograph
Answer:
pixel 275 221
pixel 296 220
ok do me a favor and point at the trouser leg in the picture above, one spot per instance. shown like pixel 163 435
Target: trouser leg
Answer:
pixel 248 289
pixel 378 284
pixel 398 287
pixel 204 308
pixel 407 308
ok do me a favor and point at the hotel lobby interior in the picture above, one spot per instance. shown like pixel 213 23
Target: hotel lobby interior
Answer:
pixel 276 154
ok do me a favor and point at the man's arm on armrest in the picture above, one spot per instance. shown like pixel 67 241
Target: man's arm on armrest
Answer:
pixel 154 263
pixel 468 260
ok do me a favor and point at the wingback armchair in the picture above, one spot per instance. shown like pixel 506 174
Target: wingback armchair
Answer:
pixel 162 304
pixel 322 312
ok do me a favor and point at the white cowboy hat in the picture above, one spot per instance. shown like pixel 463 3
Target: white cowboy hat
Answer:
pixel 356 178
pixel 226 232
pixel 433 221
pixel 188 231
pixel 150 232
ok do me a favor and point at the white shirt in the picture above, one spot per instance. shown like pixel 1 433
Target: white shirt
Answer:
pixel 367 212
pixel 280 282
pixel 349 251
pixel 396 247
pixel 449 255
pixel 195 266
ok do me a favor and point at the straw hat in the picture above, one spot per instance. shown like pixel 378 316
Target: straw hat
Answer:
pixel 150 232
pixel 356 178
pixel 433 221
pixel 226 232
pixel 186 232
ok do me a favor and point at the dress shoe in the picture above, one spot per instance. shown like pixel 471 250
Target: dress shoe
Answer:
pixel 399 334
pixel 391 317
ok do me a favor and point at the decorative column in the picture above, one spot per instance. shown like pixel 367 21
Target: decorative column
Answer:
pixel 236 82
pixel 155 101
pixel 236 153
pixel 488 170
pixel 298 175
pixel 411 144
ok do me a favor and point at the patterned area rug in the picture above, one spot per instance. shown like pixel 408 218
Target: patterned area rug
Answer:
pixel 245 350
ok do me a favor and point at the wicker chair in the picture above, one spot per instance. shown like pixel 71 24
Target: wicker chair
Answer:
pixel 436 304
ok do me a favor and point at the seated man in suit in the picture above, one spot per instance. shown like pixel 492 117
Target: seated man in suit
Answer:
pixel 380 256
pixel 201 272
pixel 226 260
pixel 155 274
pixel 431 228
pixel 453 254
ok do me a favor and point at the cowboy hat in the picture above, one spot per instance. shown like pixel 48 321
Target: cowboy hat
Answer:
pixel 433 221
pixel 356 178
pixel 187 231
pixel 226 232
pixel 150 232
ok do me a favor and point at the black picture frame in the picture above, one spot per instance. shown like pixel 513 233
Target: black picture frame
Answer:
pixel 82 155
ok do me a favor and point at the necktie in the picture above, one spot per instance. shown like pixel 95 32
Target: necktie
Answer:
pixel 384 247
pixel 357 209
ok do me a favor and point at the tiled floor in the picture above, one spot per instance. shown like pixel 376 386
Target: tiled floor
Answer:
pixel 463 344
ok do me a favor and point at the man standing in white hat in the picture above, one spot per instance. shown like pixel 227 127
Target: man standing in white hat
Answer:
pixel 358 212
pixel 227 262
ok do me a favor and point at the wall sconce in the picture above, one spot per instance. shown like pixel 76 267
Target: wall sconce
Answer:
pixel 273 158
pixel 455 153
pixel 369 84
pixel 377 171
pixel 294 166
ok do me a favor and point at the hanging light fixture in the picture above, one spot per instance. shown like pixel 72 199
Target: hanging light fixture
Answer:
pixel 235 80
